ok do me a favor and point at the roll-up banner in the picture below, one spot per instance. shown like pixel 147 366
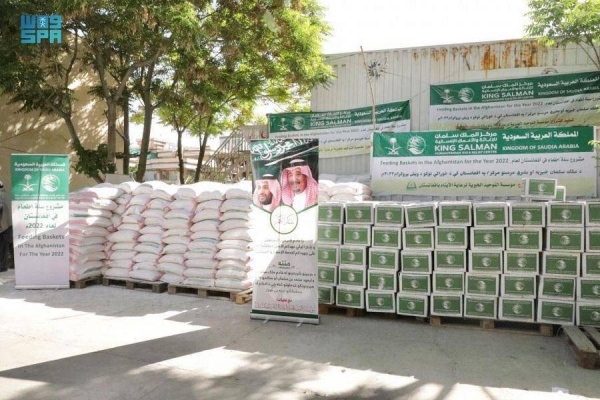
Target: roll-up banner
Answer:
pixel 284 230
pixel 40 207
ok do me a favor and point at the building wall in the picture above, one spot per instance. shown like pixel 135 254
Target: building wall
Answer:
pixel 406 74
pixel 32 133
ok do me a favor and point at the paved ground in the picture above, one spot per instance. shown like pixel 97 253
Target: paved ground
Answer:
pixel 113 343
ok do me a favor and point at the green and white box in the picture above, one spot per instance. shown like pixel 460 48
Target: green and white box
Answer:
pixel 420 215
pixel 527 214
pixel 556 312
pixel 451 237
pixel 588 289
pixel 592 213
pixel 482 284
pixel 417 238
pixel 328 255
pixel 565 239
pixel 352 277
pixel 557 288
pixel 382 258
pixel 418 284
pixel 350 297
pixel 455 213
pixel 331 213
pixel 416 261
pixel 449 282
pixel 561 263
pixel 382 280
pixel 511 309
pixel 450 260
pixel 521 262
pixel 328 275
pixel 524 238
pixel 588 314
pixel 592 239
pixel 329 234
pixel 561 193
pixel 487 238
pixel 539 188
pixel 357 235
pixel 417 306
pixel 381 301
pixel 326 295
pixel 386 236
pixel 519 286
pixel 446 305
pixel 481 307
pixel 353 256
pixel 490 214
pixel 389 214
pixel 485 261
pixel 590 265
pixel 360 213
pixel 570 214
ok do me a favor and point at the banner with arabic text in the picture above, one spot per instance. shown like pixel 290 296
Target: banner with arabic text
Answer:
pixel 40 206
pixel 285 205
pixel 344 132
pixel 482 162
pixel 550 100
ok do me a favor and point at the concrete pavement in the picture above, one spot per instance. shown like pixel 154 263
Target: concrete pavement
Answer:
pixel 112 343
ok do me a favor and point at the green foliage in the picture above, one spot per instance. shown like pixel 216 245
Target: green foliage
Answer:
pixel 560 22
pixel 92 162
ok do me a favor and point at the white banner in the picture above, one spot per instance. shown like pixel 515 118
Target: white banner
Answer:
pixel 40 193
pixel 284 220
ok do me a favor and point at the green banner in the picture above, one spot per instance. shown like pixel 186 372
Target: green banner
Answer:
pixel 482 162
pixel 344 132
pixel 551 100
pixel 40 177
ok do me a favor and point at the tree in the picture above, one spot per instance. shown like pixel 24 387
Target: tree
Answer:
pixel 560 22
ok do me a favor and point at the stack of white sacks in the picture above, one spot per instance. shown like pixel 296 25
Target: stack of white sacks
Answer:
pixel 233 268
pixel 200 259
pixel 340 188
pixel 150 246
pixel 90 223
pixel 121 248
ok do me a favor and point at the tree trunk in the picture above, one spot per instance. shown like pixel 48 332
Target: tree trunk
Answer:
pixel 76 144
pixel 203 142
pixel 126 139
pixel 180 157
pixel 148 111
pixel 111 137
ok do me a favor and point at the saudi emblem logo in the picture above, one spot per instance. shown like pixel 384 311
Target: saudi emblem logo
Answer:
pixel 298 123
pixel 28 187
pixel 565 214
pixel 561 264
pixel 416 145
pixel 393 150
pixel 411 305
pixel 466 95
pixel 556 311
pixel 526 216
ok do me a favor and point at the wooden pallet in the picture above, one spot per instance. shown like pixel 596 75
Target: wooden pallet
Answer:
pixel 325 309
pixel 585 342
pixel 237 296
pixel 497 325
pixel 129 283
pixel 83 283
